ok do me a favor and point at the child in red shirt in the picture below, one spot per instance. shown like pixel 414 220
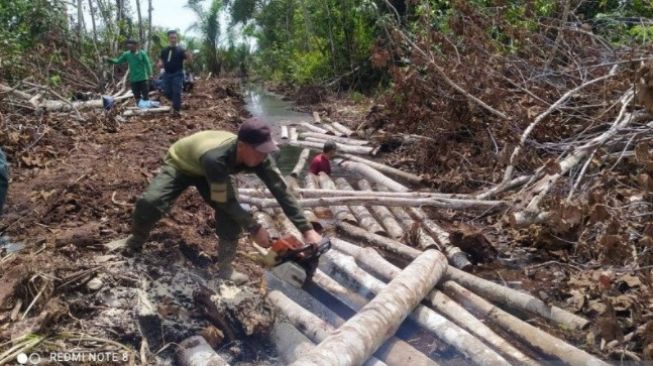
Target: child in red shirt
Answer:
pixel 321 162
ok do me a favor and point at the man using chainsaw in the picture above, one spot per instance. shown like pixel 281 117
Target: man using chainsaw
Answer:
pixel 207 160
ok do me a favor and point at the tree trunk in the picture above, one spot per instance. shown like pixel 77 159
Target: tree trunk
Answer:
pixel 284 132
pixel 379 241
pixel 312 326
pixel 374 263
pixel 91 10
pixel 315 129
pixel 383 214
pixel 364 150
pixel 301 162
pixel 195 351
pixel 516 299
pixel 408 177
pixel 311 182
pixel 141 31
pixel 340 212
pixel 344 269
pixel 80 23
pixel 363 215
pixel 535 337
pixel 289 342
pixel 372 175
pixel 342 128
pixel 361 335
pixel 293 134
pixel 148 40
pixel 342 140
pixel 394 352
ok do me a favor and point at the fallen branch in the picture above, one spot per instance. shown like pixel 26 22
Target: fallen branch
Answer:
pixel 301 162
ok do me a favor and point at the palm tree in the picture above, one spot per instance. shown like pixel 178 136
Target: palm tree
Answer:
pixel 209 26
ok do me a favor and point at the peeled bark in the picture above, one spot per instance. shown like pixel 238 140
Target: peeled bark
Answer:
pixel 516 299
pixel 342 128
pixel 383 214
pixel 363 215
pixel 374 263
pixel 301 162
pixel 535 337
pixel 409 177
pixel 325 137
pixel 311 326
pixel 344 268
pixel 340 212
pixel 372 175
pixel 363 150
pixel 394 352
pixel 195 351
pixel 314 128
pixel 364 333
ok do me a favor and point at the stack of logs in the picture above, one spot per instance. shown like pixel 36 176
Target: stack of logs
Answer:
pixel 460 309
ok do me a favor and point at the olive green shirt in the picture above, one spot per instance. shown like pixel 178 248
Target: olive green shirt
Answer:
pixel 212 154
pixel 140 66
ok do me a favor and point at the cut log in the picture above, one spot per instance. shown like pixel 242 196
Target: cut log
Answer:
pixel 403 217
pixel 311 326
pixel 362 214
pixel 383 214
pixel 293 134
pixel 287 227
pixel 284 132
pixel 445 203
pixel 311 192
pixel 344 269
pixel 301 162
pixel 289 342
pixel 196 351
pixel 379 241
pixel 371 174
pixel 374 263
pixel 316 117
pixel 516 299
pixel 314 128
pixel 408 177
pixel 340 212
pixel 535 337
pixel 394 352
pixel 342 128
pixel 361 335
pixel 342 140
pixel 363 150
pixel 311 182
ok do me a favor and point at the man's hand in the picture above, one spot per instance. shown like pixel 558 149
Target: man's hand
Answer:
pixel 262 238
pixel 312 237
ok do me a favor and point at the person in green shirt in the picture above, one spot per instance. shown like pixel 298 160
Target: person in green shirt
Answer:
pixel 207 160
pixel 140 69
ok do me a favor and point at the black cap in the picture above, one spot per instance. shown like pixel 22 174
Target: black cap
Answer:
pixel 256 132
pixel 131 41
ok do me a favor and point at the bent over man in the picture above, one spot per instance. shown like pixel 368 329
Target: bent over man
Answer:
pixel 207 160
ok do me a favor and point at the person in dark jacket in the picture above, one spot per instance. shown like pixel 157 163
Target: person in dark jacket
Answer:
pixel 172 60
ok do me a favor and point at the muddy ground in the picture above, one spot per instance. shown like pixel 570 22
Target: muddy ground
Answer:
pixel 73 187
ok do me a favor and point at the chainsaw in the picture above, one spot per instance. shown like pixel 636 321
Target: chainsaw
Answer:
pixel 297 261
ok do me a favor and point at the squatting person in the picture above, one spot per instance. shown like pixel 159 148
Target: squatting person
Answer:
pixel 172 60
pixel 322 162
pixel 207 160
pixel 140 69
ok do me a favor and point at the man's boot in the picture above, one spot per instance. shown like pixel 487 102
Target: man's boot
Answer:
pixel 226 271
